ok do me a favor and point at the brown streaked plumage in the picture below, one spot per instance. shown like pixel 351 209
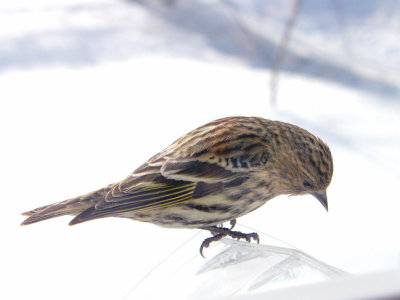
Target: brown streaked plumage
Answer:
pixel 215 173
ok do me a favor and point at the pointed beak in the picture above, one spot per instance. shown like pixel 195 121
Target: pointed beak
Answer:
pixel 321 196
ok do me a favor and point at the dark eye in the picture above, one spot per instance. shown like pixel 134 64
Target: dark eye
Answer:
pixel 264 158
pixel 307 184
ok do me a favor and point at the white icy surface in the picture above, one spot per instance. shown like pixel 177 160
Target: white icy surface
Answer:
pixel 231 268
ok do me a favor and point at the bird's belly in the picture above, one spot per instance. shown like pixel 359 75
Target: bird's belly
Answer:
pixel 206 211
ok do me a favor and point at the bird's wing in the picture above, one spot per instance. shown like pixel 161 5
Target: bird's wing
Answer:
pixel 166 180
pixel 146 191
pixel 139 193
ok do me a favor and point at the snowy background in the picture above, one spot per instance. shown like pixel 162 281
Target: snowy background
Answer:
pixel 90 89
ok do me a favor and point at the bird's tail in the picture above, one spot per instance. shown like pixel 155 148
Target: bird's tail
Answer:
pixel 72 206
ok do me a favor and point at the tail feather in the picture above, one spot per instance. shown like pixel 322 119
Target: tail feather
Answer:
pixel 84 216
pixel 52 211
pixel 38 218
pixel 35 211
pixel 72 206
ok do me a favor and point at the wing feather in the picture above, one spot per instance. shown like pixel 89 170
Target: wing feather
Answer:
pixel 154 196
pixel 172 177
pixel 194 170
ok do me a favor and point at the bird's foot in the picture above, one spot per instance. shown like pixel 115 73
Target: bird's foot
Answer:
pixel 220 232
pixel 233 223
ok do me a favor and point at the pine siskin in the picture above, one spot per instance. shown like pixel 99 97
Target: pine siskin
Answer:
pixel 215 173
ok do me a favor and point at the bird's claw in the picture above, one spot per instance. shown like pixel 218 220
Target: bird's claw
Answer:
pixel 220 232
pixel 206 243
pixel 233 223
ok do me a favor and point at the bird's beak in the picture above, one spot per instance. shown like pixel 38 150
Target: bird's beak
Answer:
pixel 321 196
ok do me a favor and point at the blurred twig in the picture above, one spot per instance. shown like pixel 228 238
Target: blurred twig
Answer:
pixel 342 23
pixel 281 51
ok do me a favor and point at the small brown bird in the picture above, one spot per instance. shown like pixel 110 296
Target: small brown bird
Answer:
pixel 214 174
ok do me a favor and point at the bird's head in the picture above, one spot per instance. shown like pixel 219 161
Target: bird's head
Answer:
pixel 303 164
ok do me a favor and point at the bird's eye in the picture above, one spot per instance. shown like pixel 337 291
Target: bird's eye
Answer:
pixel 307 184
pixel 264 158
